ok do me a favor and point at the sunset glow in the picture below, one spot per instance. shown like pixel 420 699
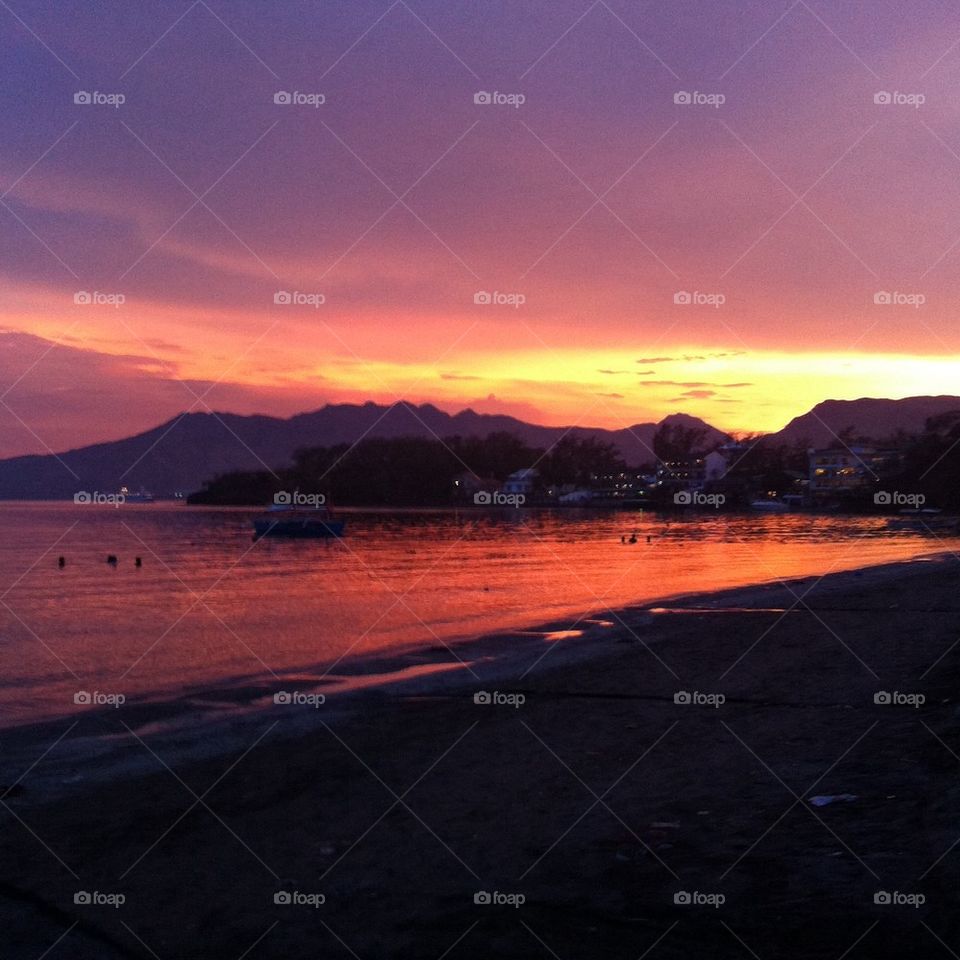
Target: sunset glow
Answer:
pixel 479 479
pixel 800 234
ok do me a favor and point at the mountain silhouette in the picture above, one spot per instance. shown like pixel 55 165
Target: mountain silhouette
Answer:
pixel 179 455
pixel 875 420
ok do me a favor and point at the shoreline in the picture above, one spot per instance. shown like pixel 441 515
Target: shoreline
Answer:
pixel 206 722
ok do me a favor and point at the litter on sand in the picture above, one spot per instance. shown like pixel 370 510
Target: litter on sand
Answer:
pixel 825 800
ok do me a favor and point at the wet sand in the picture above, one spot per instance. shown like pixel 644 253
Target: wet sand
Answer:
pixel 598 800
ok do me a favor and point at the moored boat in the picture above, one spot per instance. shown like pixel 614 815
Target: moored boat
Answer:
pixel 770 506
pixel 284 521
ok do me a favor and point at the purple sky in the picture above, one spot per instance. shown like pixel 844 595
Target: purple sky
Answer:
pixel 798 200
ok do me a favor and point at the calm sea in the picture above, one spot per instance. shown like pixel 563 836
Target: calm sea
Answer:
pixel 209 604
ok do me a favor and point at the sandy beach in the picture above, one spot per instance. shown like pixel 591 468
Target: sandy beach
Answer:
pixel 577 810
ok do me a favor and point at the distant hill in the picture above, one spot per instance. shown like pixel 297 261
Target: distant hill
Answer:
pixel 178 456
pixel 875 419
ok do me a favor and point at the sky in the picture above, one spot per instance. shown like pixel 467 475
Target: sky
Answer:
pixel 735 210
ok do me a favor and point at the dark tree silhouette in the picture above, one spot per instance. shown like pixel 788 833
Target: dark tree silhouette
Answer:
pixel 674 442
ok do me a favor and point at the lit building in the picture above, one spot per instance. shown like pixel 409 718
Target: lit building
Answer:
pixel 845 469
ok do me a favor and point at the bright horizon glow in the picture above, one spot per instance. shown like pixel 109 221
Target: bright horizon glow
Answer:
pixel 737 391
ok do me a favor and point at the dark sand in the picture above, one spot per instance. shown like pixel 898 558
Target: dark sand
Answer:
pixel 598 799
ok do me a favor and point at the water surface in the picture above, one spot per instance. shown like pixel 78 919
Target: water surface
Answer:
pixel 211 604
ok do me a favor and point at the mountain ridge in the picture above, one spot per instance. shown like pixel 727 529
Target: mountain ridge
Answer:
pixel 182 453
pixel 874 418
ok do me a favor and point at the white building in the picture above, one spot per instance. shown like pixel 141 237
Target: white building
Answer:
pixel 521 481
pixel 715 466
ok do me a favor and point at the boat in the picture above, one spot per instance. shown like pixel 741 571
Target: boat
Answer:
pixel 287 521
pixel 770 506
pixel 141 497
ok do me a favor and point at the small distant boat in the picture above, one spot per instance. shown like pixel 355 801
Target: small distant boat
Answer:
pixel 141 497
pixel 286 521
pixel 770 506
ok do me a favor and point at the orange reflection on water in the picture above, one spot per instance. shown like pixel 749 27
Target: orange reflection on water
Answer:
pixel 210 605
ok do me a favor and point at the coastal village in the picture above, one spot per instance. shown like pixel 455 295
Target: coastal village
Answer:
pixel 839 477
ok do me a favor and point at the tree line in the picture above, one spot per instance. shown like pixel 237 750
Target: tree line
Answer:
pixel 413 471
pixel 417 471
